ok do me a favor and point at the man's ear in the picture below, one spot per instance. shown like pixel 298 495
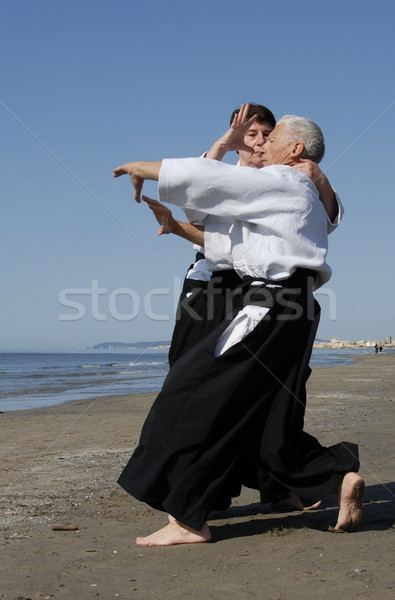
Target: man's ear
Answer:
pixel 297 150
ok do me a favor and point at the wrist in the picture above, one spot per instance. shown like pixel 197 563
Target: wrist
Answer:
pixel 148 169
pixel 217 150
pixel 176 227
pixel 322 183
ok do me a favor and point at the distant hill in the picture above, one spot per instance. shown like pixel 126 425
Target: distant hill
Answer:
pixel 130 345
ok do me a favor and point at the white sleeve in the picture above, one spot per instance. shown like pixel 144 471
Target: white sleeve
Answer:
pixel 196 216
pixel 216 188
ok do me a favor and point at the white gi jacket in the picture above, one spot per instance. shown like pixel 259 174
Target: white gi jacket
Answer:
pixel 279 222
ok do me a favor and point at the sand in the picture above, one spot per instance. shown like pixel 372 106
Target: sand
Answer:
pixel 60 465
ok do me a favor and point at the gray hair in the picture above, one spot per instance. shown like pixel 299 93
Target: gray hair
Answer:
pixel 300 129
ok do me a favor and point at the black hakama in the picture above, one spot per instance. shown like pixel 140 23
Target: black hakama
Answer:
pixel 203 305
pixel 237 419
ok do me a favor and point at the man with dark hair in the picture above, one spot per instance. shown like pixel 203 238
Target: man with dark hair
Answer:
pixel 206 294
pixel 239 394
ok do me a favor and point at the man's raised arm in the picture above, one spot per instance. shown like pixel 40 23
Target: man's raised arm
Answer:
pixel 326 192
pixel 233 138
pixel 138 172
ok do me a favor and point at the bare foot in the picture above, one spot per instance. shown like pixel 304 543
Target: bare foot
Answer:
pixel 293 501
pixel 175 533
pixel 350 493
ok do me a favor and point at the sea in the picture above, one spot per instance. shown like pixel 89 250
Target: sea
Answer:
pixel 36 379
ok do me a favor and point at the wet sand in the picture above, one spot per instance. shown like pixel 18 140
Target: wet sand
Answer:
pixel 60 465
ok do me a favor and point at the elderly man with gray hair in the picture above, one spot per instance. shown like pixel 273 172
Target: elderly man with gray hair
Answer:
pixel 231 410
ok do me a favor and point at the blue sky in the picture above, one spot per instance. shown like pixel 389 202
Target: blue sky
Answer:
pixel 87 85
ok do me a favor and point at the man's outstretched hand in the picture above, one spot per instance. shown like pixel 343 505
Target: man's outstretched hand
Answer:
pixel 131 169
pixel 163 215
pixel 138 172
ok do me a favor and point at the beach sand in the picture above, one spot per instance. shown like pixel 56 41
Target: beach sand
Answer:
pixel 60 465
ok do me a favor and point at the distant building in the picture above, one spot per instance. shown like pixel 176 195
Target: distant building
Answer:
pixel 335 343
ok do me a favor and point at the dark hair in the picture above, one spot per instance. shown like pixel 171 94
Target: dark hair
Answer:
pixel 263 114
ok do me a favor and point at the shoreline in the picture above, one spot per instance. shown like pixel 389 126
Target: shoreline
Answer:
pixel 57 392
pixel 60 465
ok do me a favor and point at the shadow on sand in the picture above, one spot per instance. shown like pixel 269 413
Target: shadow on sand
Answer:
pixel 379 506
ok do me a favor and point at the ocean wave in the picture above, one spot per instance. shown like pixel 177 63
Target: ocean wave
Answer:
pixel 120 365
pixel 145 371
pixel 141 363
